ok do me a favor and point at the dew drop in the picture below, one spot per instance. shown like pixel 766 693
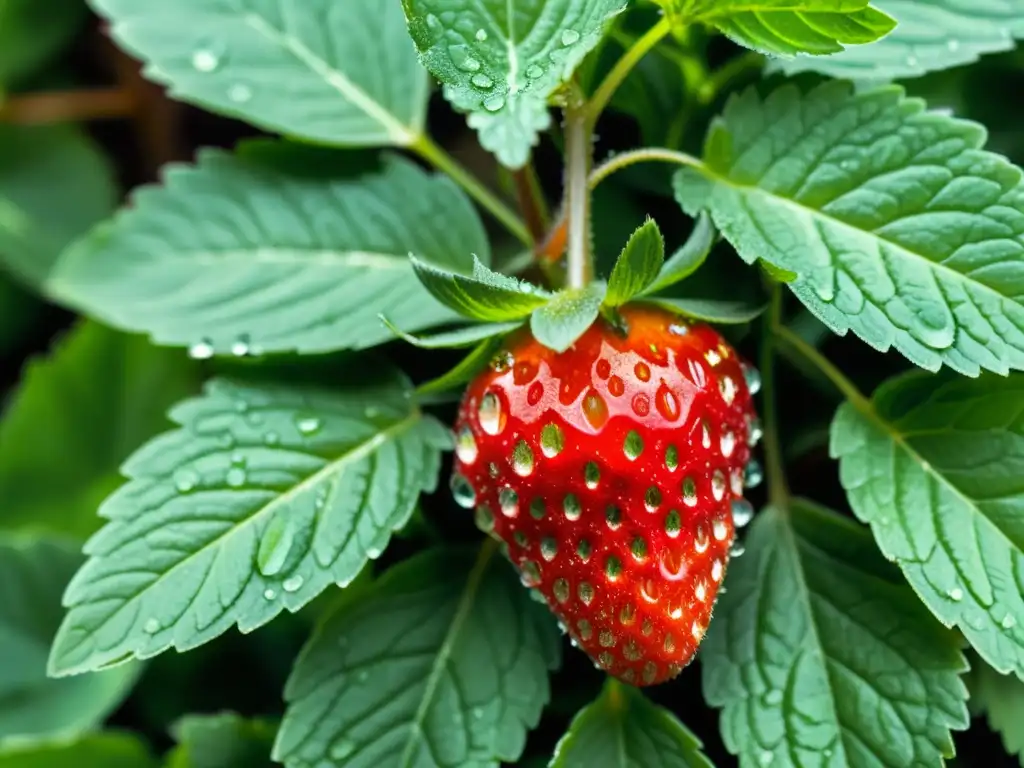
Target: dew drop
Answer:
pixel 718 485
pixel 552 440
pixel 484 518
pixel 700 591
pixel 235 477
pixel 742 512
pixel 603 368
pixel 754 431
pixel 642 371
pixel 462 491
pixel 1008 622
pixel 293 583
pixel 275 546
pixel 595 410
pixel 616 387
pixel 956 594
pixel 953 45
pixel 529 573
pixel 667 403
pixel 151 627
pixel 463 59
pixel 202 350
pixel 272 438
pixel 508 500
pixel 482 81
pixel 269 594
pixel 465 446
pixel 716 570
pixel 342 749
pixel 753 378
pixel 560 589
pixel 308 425
pixel 494 103
pixel 570 37
pixel 571 507
pixel 712 357
pixel 701 540
pixel 585 592
pixel 491 414
pixel 737 550
pixel 240 93
pixel 205 60
pixel 641 404
pixel 728 389
pixel 753 475
pixel 765 758
pixel 673 523
pixel 186 480
pixel 678 329
pixel 912 60
pixel 736 481
pixel 719 529
pixel 633 445
pixel 689 492
pixel 727 442
pixel 481 35
pixel 533 72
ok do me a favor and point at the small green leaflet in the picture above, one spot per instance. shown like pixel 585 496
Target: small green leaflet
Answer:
pixel 75 417
pixel 55 184
pixel 31 33
pixel 718 311
pixel 462 373
pixel 500 60
pixel 622 729
pixel 442 664
pixel 224 740
pixel 97 750
pixel 638 265
pixel 894 222
pixel 234 256
pixel 33 574
pixel 935 470
pixel 930 35
pixel 264 497
pixel 559 324
pixel 1001 698
pixel 341 73
pixel 486 295
pixel 461 337
pixel 819 653
pixel 787 27
pixel 687 259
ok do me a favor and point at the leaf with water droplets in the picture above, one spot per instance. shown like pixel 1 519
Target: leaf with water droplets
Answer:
pixel 558 324
pixel 894 222
pixel 224 740
pixel 1001 698
pixel 786 27
pixel 188 552
pixel 499 60
pixel 638 265
pixel 930 35
pixel 819 648
pixel 623 729
pixel 335 73
pixel 934 467
pixel 95 750
pixel 228 258
pixel 71 423
pixel 486 295
pixel 443 663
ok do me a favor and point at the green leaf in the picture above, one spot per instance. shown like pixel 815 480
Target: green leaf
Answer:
pixel 638 265
pixel 894 221
pixel 487 295
pixel 722 312
pixel 930 35
pixel 560 323
pixel 224 740
pixel 33 574
pixel 787 27
pixel 444 662
pixel 336 73
pixel 1001 697
pixel 687 259
pixel 31 33
pixel 76 416
pixel 465 371
pixel 460 337
pixel 98 750
pixel 265 497
pixel 819 653
pixel 19 312
pixel 623 729
pixel 500 60
pixel 228 257
pixel 935 469
pixel 54 185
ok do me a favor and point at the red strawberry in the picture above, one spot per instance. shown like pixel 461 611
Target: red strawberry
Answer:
pixel 613 472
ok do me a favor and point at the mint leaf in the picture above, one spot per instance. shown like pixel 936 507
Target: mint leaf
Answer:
pixel 224 740
pixel 460 337
pixel 77 415
pixel 930 35
pixel 560 323
pixel 263 498
pixel 33 574
pixel 444 662
pixel 894 222
pixel 638 265
pixel 1001 698
pixel 500 60
pixel 31 33
pixel 487 295
pixel 622 729
pixel 225 258
pixel 819 652
pixel 787 27
pixel 98 750
pixel 343 74
pixel 722 312
pixel 687 259
pixel 54 185
pixel 935 471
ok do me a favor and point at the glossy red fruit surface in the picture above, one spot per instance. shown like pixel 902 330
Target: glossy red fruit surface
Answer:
pixel 614 472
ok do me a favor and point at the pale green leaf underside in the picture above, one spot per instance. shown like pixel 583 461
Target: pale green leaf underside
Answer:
pixel 97 750
pixel 1001 697
pixel 931 35
pixel 234 254
pixel 223 740
pixel 442 664
pixel 33 575
pixel 486 295
pixel 501 59
pixel 54 185
pixel 623 729
pixel 818 655
pixel 335 72
pixel 894 221
pixel 939 476
pixel 787 27
pixel 264 497
pixel 71 404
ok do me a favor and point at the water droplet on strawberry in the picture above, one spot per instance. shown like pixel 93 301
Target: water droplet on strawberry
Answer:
pixel 462 491
pixel 616 387
pixel 595 410
pixel 465 446
pixel 491 414
pixel 742 512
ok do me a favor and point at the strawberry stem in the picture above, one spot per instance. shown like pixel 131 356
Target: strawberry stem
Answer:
pixel 603 95
pixel 778 488
pixel 579 151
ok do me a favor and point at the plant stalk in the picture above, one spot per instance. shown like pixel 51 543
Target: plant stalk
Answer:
pixel 426 148
pixel 531 202
pixel 778 488
pixel 604 93
pixel 578 154
pixel 849 390
pixel 645 155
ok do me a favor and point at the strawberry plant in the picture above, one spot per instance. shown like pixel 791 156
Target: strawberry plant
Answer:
pixel 554 383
